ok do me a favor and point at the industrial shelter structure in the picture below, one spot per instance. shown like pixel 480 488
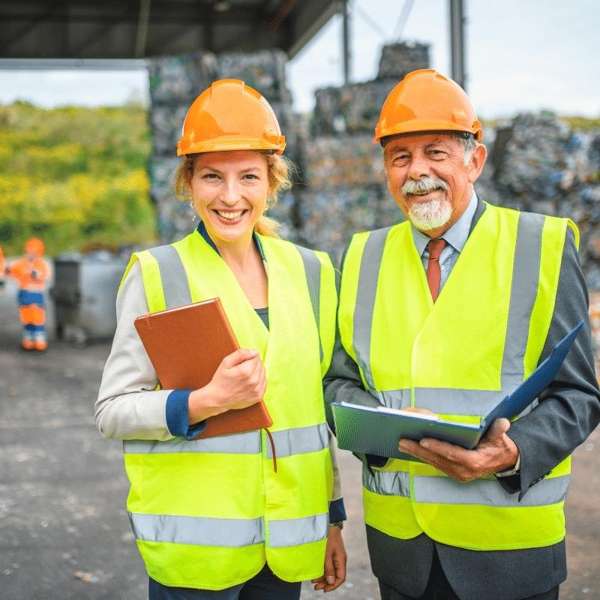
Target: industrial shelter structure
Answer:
pixel 81 30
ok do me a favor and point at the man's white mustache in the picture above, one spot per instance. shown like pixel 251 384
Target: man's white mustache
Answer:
pixel 423 186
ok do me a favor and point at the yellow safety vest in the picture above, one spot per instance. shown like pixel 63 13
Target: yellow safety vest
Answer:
pixel 457 357
pixel 209 513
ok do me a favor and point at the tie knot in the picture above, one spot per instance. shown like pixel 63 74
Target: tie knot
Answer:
pixel 435 248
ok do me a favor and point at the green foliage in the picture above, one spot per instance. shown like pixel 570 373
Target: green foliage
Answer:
pixel 582 123
pixel 74 176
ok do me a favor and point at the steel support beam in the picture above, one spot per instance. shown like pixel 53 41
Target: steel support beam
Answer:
pixel 142 29
pixel 457 42
pixel 346 49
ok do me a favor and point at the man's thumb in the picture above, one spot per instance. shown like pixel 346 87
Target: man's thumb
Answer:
pixel 499 428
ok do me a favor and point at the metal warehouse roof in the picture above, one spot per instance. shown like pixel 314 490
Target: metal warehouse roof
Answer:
pixel 137 29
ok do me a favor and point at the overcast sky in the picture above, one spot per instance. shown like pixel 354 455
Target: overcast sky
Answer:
pixel 521 55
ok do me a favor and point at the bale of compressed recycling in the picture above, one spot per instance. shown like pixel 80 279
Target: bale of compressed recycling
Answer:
pixel 284 212
pixel 354 108
pixel 175 218
pixel 179 79
pixel 400 58
pixel 265 71
pixel 343 161
pixel 533 165
pixel 594 156
pixel 485 186
pixel 330 218
pixel 162 175
pixel 350 108
pixel 166 122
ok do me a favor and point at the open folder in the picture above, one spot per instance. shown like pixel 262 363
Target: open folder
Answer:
pixel 185 346
pixel 377 430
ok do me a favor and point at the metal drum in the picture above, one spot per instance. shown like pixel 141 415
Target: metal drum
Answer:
pixel 84 293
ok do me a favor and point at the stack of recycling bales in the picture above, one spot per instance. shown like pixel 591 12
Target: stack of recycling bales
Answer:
pixel 354 108
pixel 343 169
pixel 536 161
pixel 174 83
pixel 541 164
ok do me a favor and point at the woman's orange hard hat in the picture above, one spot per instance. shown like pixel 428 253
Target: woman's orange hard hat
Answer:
pixel 230 115
pixel 423 101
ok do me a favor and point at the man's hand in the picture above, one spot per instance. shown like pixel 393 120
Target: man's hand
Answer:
pixel 335 562
pixel 495 452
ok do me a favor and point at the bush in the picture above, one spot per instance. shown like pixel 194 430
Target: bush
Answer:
pixel 74 176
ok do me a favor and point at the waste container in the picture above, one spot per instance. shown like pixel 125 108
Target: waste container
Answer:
pixel 84 293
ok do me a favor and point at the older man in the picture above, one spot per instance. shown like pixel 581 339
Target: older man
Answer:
pixel 448 311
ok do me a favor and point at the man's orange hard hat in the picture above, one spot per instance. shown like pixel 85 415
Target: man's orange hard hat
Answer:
pixel 425 100
pixel 35 246
pixel 230 115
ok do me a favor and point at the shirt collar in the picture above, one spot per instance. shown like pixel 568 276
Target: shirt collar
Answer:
pixel 204 233
pixel 456 236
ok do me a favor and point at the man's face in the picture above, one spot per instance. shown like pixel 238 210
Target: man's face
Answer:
pixel 429 180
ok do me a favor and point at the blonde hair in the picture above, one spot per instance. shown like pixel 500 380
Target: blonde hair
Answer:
pixel 280 171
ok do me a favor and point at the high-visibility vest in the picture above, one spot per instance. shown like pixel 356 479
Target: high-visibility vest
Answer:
pixel 31 274
pixel 457 357
pixel 209 513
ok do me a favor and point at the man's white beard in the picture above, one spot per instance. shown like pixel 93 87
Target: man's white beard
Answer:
pixel 430 215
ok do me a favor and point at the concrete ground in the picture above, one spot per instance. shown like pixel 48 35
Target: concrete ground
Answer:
pixel 63 529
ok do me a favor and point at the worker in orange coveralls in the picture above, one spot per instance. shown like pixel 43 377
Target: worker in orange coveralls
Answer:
pixel 32 272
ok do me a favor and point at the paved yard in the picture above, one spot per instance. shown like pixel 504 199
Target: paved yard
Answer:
pixel 63 530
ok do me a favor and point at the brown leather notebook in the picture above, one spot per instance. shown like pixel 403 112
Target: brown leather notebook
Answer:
pixel 185 346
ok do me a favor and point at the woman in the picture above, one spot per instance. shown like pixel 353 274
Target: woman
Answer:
pixel 212 518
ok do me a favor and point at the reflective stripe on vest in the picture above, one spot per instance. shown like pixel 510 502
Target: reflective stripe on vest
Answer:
pixel 239 443
pixel 431 489
pixel 519 271
pixel 229 533
pixel 287 443
pixel 197 530
pixel 301 440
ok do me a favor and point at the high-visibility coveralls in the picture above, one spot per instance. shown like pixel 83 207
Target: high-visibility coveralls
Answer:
pixel 32 273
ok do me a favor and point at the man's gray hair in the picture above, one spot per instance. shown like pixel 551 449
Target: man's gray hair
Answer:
pixel 469 143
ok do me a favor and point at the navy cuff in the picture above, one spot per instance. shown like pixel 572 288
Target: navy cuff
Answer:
pixel 337 511
pixel 177 415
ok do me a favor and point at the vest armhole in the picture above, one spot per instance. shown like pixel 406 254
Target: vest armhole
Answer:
pixel 575 230
pixel 155 297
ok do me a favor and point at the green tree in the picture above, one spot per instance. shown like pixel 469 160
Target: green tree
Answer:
pixel 75 176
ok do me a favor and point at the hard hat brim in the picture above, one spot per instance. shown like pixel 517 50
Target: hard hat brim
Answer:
pixel 223 144
pixel 423 126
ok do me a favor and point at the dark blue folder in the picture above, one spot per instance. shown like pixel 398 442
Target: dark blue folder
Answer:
pixel 376 430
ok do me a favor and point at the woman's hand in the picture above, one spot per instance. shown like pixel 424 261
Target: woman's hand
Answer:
pixel 238 382
pixel 335 562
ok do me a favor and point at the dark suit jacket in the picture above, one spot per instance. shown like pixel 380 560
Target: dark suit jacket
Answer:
pixel 568 411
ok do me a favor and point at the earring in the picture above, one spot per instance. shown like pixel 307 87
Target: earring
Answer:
pixel 194 215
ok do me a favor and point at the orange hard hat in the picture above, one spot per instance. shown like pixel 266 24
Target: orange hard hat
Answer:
pixel 35 246
pixel 425 100
pixel 230 115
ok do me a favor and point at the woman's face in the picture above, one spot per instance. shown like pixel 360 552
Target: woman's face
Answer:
pixel 229 192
